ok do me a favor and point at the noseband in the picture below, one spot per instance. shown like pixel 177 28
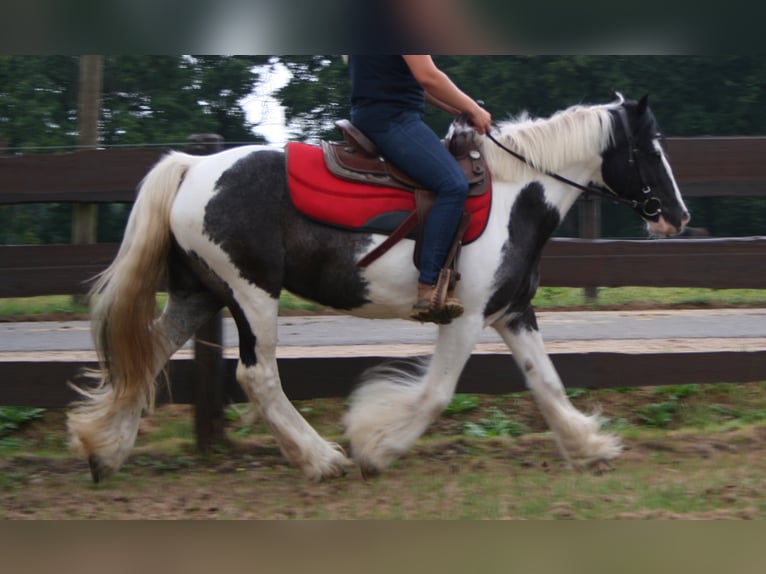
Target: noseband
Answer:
pixel 651 207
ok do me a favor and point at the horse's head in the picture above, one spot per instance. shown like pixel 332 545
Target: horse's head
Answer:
pixel 636 169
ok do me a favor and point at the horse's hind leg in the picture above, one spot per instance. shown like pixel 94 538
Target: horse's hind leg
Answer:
pixel 103 427
pixel 577 435
pixel 257 373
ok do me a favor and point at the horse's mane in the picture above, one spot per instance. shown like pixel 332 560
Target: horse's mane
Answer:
pixel 549 144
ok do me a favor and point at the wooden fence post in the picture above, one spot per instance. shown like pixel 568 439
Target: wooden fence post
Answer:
pixel 590 228
pixel 85 215
pixel 209 420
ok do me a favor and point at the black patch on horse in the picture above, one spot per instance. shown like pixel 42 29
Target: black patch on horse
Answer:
pixel 253 220
pixel 530 225
pixel 206 285
pixel 524 321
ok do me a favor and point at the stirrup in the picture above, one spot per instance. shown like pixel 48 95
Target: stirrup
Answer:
pixel 443 316
pixel 440 306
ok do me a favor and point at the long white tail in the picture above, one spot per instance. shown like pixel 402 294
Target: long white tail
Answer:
pixel 122 317
pixel 125 305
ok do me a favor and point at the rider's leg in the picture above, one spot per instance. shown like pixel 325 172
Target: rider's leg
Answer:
pixel 413 147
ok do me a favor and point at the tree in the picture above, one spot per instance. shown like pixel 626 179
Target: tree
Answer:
pixel 146 99
pixel 317 94
pixel 166 98
pixel 38 101
pixel 692 95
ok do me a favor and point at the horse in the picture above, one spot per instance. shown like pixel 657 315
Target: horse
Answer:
pixel 223 230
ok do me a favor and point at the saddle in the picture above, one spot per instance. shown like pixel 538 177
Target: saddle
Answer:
pixel 358 159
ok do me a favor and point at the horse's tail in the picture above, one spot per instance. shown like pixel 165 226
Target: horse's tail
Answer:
pixel 125 305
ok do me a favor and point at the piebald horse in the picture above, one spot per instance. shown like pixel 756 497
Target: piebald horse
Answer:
pixel 225 231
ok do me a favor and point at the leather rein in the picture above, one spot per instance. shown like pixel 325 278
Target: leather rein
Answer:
pixel 650 207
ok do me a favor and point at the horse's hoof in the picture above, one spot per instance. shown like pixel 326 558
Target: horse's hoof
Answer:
pixel 97 470
pixel 601 466
pixel 368 472
pixel 338 473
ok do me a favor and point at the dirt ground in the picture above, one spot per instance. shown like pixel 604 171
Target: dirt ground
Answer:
pixel 666 474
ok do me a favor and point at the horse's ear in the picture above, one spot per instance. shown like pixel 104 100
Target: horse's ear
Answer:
pixel 617 96
pixel 643 103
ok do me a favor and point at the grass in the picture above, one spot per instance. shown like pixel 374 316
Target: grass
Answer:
pixel 547 297
pixel 676 296
pixel 21 306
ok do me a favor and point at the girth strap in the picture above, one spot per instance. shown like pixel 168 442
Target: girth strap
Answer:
pixel 398 234
pixel 418 217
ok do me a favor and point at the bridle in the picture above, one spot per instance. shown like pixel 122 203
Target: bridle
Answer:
pixel 651 207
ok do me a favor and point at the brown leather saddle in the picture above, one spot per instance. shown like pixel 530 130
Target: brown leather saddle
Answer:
pixel 358 159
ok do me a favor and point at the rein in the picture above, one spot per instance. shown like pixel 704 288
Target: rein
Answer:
pixel 601 190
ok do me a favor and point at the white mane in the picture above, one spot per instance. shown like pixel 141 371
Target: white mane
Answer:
pixel 570 136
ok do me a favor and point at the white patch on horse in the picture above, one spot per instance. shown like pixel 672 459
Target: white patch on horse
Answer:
pixel 391 280
pixel 658 146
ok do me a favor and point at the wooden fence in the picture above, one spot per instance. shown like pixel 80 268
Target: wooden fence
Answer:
pixel 703 166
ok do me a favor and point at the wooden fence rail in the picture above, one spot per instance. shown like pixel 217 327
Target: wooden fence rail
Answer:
pixel 704 167
pixel 732 263
pixel 43 384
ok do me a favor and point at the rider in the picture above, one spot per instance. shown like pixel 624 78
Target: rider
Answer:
pixel 388 96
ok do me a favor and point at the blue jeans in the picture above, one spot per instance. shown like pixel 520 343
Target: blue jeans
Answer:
pixel 412 146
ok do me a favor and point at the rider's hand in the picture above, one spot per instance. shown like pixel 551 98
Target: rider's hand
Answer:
pixel 481 119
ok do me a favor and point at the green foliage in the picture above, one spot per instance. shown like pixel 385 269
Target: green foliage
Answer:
pixel 317 95
pixel 13 418
pixel 167 98
pixel 679 86
pixel 663 414
pixel 239 418
pixel 462 403
pixel 38 101
pixel 574 393
pixel 676 392
pixel 495 424
pixel 658 414
pixel 35 223
pixel 146 99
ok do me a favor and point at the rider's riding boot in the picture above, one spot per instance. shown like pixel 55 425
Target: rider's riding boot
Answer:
pixel 436 305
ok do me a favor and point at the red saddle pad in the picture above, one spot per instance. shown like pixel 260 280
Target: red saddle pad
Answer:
pixel 323 197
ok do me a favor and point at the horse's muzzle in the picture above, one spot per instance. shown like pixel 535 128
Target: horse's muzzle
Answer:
pixel 663 227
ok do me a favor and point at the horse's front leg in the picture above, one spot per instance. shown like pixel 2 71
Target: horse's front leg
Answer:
pixel 577 435
pixel 393 406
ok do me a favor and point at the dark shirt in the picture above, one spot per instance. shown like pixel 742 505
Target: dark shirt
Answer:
pixel 382 87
